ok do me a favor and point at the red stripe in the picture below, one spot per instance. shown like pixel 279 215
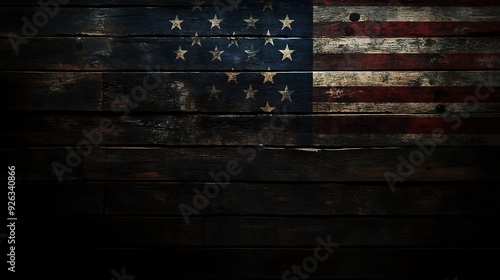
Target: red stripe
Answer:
pixel 406 61
pixel 467 3
pixel 401 125
pixel 400 94
pixel 405 29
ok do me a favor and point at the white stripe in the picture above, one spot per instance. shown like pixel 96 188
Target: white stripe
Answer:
pixel 406 45
pixel 406 78
pixel 401 108
pixel 407 14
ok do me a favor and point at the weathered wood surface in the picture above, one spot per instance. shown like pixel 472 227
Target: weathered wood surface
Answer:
pixel 106 53
pixel 271 164
pixel 343 92
pixel 154 21
pixel 174 3
pixel 407 14
pixel 61 91
pixel 369 80
pixel 324 199
pixel 233 130
pixel 131 232
pixel 259 199
pixel 405 29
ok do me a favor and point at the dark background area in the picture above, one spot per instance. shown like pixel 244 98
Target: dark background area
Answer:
pixel 322 175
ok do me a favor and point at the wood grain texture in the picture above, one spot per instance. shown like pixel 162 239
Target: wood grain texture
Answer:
pixel 139 53
pixel 370 79
pixel 404 78
pixel 406 45
pixel 233 130
pixel 52 91
pixel 140 21
pixel 465 3
pixel 324 199
pixel 321 165
pixel 406 14
pixel 237 232
pixel 405 29
pixel 360 61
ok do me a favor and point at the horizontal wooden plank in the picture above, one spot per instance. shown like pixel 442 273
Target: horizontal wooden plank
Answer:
pixel 139 53
pixel 127 232
pixel 139 21
pixel 462 45
pixel 233 130
pixel 314 199
pixel 426 232
pixel 406 14
pixel 415 95
pixel 196 164
pixel 174 3
pixel 52 91
pixel 269 263
pixel 405 29
pixel 278 164
pixel 399 108
pixel 190 92
pixel 467 3
pixel 405 78
pixel 377 62
pixel 162 3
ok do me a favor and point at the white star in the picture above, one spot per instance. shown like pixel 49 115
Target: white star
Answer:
pixel 251 22
pixel 196 40
pixel 233 40
pixel 215 22
pixel 269 39
pixel 269 76
pixel 176 23
pixel 250 93
pixel 287 22
pixel 267 108
pixel 214 93
pixel 286 94
pixel 252 53
pixel 180 53
pixel 232 76
pixel 287 53
pixel 217 54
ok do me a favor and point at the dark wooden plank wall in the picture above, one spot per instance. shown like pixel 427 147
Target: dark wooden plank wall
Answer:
pixel 322 175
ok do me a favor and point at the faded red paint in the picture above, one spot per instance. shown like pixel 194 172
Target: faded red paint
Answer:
pixel 404 29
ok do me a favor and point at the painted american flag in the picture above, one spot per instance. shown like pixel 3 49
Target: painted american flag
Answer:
pixel 388 72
